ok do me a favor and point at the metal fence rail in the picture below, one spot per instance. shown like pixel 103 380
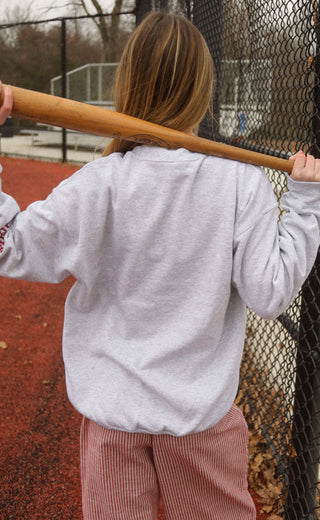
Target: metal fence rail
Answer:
pixel 267 98
pixel 91 83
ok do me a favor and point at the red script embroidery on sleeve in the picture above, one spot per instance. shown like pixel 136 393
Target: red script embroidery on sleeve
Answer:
pixel 3 231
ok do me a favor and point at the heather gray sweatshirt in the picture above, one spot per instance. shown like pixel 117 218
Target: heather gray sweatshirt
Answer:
pixel 168 248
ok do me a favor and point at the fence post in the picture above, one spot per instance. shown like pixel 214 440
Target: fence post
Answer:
pixel 200 17
pixel 142 7
pixel 64 81
pixel 164 5
pixel 304 467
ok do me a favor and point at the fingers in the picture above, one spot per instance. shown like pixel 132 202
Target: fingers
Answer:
pixel 295 156
pixel 6 107
pixel 305 168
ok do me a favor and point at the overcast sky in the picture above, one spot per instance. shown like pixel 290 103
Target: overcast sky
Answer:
pixel 39 8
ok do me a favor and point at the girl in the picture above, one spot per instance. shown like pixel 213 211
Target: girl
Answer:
pixel 167 247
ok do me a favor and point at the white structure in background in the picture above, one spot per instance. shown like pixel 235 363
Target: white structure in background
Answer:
pixel 91 83
pixel 245 91
pixel 245 96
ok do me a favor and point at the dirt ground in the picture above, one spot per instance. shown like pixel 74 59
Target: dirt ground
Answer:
pixel 39 460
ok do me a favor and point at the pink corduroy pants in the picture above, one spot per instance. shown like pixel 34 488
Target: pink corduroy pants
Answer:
pixel 202 476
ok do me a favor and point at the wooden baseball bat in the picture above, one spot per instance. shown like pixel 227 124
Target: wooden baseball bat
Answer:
pixel 65 113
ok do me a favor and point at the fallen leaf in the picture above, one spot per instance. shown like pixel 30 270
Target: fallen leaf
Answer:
pixel 3 345
pixel 258 461
pixel 266 509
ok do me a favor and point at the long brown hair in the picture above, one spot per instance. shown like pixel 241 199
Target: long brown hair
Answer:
pixel 165 75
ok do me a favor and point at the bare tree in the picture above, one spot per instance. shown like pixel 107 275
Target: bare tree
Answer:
pixel 108 26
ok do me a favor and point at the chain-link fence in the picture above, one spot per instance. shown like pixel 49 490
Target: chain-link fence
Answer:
pixel 72 57
pixel 267 99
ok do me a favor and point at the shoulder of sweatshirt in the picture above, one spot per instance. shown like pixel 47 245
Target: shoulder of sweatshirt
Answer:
pixel 88 174
pixel 251 180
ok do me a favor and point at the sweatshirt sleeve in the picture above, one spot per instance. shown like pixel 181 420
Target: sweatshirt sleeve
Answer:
pixel 9 208
pixel 38 244
pixel 273 258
